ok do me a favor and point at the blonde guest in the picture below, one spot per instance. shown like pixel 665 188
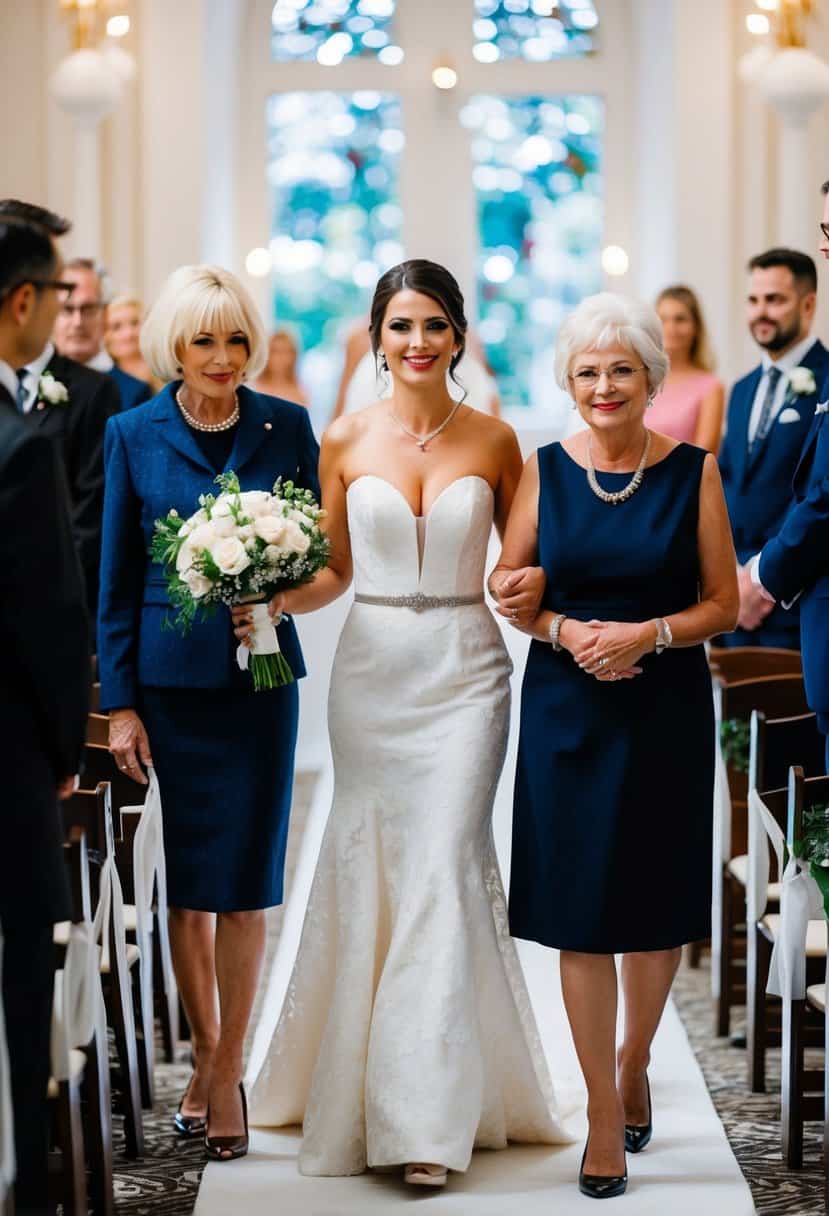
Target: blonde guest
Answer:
pixel 280 379
pixel 691 403
pixel 124 318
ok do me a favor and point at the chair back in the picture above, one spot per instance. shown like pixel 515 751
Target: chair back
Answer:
pixel 97 729
pixel 78 999
pixel 100 765
pixel 804 793
pixel 733 663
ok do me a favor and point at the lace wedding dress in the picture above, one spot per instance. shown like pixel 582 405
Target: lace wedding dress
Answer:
pixel 407 1032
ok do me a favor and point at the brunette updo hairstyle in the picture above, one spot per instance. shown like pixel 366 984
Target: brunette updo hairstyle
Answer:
pixel 429 279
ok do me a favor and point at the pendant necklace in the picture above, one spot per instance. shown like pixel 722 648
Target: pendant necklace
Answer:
pixel 422 440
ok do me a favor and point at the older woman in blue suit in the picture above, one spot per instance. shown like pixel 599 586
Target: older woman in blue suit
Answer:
pixel 223 754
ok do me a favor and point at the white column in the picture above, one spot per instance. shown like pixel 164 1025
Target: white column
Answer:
pixel 87 235
pixel 796 207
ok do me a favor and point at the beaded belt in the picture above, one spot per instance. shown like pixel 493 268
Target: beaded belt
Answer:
pixel 419 601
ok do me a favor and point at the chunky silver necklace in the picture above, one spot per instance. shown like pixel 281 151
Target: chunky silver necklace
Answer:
pixel 422 440
pixel 632 486
pixel 209 426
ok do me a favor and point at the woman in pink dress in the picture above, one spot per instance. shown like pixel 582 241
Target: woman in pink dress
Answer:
pixel 690 404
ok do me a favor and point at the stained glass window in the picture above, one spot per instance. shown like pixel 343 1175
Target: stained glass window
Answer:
pixel 538 30
pixel 329 31
pixel 537 180
pixel 333 163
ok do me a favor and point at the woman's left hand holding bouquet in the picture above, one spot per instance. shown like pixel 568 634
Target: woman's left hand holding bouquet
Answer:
pixel 242 614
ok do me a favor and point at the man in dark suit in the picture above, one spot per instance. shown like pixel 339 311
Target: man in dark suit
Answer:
pixel 793 567
pixel 769 414
pixel 79 331
pixel 44 682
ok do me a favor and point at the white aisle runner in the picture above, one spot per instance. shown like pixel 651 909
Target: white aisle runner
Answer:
pixel 687 1170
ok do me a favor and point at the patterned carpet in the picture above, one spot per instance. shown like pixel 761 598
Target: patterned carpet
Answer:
pixel 166 1180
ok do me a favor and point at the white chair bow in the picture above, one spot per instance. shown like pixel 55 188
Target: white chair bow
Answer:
pixel 148 869
pixel 7 1158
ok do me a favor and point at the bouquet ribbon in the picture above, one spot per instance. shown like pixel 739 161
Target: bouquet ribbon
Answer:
pixel 263 639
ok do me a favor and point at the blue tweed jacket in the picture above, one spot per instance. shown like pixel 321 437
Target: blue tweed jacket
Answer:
pixel 152 464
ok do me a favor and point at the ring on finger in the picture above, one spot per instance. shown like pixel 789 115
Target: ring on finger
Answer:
pixel 602 662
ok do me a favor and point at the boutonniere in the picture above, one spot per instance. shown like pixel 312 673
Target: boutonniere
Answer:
pixel 822 407
pixel 802 381
pixel 51 390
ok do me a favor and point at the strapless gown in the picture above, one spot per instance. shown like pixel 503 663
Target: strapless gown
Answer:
pixel 407 1032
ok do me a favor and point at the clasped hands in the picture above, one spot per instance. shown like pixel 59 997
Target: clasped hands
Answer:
pixel 608 650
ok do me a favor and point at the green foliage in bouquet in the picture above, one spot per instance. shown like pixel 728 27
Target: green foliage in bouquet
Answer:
pixel 814 848
pixel 240 546
pixel 735 740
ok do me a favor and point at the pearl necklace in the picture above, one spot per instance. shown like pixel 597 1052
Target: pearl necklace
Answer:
pixel 209 426
pixel 632 486
pixel 422 440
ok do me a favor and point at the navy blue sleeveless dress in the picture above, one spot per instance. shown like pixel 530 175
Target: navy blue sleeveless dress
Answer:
pixel 614 789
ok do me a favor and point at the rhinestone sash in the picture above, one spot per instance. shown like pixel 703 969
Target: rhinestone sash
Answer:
pixel 419 602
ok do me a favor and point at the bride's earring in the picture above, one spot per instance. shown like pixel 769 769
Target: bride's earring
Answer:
pixel 650 400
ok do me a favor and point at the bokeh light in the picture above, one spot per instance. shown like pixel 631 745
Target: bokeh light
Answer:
pixel 330 31
pixel 536 30
pixel 537 179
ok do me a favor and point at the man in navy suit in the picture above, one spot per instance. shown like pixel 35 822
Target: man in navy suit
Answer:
pixel 44 687
pixel 769 415
pixel 793 567
pixel 79 331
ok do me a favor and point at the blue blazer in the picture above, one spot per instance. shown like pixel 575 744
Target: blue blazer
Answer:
pixel 133 391
pixel 758 489
pixel 797 559
pixel 153 463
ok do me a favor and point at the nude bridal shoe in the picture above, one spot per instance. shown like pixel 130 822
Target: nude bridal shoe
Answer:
pixel 420 1174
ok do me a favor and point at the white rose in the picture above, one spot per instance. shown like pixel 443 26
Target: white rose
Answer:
pixel 200 517
pixel 246 531
pixel 198 584
pixel 295 539
pixel 256 502
pixel 225 525
pixel 52 390
pixel 203 536
pixel 271 529
pixel 184 559
pixel 271 554
pixel 298 516
pixel 185 529
pixel 229 555
pixel 221 507
pixel 802 381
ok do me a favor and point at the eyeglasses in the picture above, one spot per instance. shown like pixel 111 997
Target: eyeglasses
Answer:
pixel 825 230
pixel 60 285
pixel 588 377
pixel 85 311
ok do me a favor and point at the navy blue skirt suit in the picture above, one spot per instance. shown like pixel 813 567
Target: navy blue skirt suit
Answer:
pixel 614 787
pixel 224 754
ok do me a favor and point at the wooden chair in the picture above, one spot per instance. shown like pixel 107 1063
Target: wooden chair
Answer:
pixel 126 793
pixel 803 1093
pixel 92 811
pixel 95 698
pixel 97 728
pixel 776 744
pixel 780 696
pixel 731 664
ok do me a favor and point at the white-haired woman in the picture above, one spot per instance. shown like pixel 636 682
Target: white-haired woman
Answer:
pixel 223 754
pixel 612 827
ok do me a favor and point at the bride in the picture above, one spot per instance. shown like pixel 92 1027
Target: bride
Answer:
pixel 407 1037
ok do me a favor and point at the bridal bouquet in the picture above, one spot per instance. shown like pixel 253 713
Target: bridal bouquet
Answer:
pixel 242 546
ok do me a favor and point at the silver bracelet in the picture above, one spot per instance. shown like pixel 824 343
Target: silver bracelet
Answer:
pixel 555 629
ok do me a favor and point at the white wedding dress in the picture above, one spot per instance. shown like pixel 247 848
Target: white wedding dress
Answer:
pixel 407 1032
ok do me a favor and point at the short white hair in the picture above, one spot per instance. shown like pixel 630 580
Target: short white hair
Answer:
pixel 195 299
pixel 608 319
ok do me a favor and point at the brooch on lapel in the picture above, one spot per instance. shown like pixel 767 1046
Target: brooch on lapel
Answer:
pixel 822 407
pixel 51 390
pixel 802 381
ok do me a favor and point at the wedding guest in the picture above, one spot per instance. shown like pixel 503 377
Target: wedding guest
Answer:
pixel 223 754
pixel 79 331
pixel 124 317
pixel 793 567
pixel 70 404
pixel 279 378
pixel 769 413
pixel 690 404
pixel 616 761
pixel 44 686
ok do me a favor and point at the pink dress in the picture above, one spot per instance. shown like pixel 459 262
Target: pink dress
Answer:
pixel 675 410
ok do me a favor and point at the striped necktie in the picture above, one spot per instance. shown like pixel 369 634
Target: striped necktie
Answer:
pixel 22 390
pixel 765 420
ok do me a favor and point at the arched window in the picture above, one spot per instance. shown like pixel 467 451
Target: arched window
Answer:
pixel 502 177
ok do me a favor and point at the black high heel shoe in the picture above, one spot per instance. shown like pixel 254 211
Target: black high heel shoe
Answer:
pixel 228 1148
pixel 601 1186
pixel 638 1135
pixel 189 1125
